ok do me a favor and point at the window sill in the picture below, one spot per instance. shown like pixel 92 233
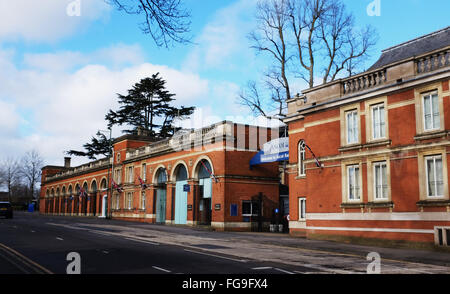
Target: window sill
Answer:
pixel 350 147
pixel 380 204
pixel 300 177
pixel 433 202
pixel 377 143
pixel 430 135
pixel 352 205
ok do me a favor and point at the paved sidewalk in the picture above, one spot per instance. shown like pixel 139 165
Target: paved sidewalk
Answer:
pixel 271 246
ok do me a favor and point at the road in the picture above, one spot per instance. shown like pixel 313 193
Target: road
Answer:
pixel 32 243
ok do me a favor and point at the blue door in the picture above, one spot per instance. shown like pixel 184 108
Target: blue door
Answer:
pixel 180 203
pixel 160 206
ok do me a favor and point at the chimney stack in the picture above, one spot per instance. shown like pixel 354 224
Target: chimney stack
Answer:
pixel 67 162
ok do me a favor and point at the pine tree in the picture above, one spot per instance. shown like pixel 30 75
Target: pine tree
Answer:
pixel 99 145
pixel 148 106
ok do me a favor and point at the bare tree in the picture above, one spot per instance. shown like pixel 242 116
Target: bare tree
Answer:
pixel 10 174
pixel 307 40
pixel 166 21
pixel 270 38
pixel 30 169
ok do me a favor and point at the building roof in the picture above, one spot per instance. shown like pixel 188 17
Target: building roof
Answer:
pixel 415 47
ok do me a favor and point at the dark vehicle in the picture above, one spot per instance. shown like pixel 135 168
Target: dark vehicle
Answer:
pixel 6 209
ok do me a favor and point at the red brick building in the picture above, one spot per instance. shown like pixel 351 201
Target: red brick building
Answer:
pixel 381 139
pixel 199 177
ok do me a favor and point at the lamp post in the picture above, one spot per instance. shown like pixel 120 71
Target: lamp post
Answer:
pixel 109 182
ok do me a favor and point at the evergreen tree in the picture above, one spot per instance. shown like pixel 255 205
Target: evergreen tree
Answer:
pixel 99 145
pixel 148 106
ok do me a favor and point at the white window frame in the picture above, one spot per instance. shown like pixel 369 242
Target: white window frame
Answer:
pixel 381 119
pixel 130 171
pixel 355 138
pixel 435 124
pixel 143 200
pixel 117 201
pixel 384 182
pixel 302 209
pixel 129 200
pixel 301 158
pixel 357 181
pixel 251 208
pixel 118 176
pixel 428 158
pixel 144 171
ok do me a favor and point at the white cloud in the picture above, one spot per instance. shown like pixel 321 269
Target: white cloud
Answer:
pixel 46 20
pixel 55 109
pixel 224 39
pixel 118 55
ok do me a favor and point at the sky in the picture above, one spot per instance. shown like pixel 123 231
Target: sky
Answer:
pixel 60 70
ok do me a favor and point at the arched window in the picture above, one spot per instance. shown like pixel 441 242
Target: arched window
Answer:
pixel 301 158
pixel 103 185
pixel 161 176
pixel 94 186
pixel 181 174
pixel 204 169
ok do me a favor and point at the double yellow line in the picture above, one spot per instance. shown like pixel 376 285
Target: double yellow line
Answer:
pixel 23 263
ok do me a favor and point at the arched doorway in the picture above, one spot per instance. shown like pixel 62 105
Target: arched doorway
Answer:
pixel 103 202
pixel 52 201
pixel 47 201
pixel 160 195
pixel 84 198
pixel 76 205
pixel 57 201
pixel 93 198
pixel 181 176
pixel 70 201
pixel 204 192
pixel 64 201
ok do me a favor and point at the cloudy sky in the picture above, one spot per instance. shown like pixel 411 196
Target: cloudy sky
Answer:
pixel 60 74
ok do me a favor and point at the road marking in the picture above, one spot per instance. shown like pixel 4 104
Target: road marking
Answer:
pixel 261 268
pixel 218 256
pixel 142 241
pixel 60 239
pixel 275 268
pixel 161 269
pixel 284 271
pixel 334 271
pixel 33 231
pixel 24 260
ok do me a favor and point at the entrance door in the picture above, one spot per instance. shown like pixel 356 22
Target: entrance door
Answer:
pixel 180 203
pixel 160 206
pixel 104 206
pixel 205 211
pixel 205 205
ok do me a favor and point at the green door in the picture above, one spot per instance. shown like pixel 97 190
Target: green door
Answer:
pixel 160 206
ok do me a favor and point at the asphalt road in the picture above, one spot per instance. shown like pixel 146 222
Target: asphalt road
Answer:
pixel 32 243
pixel 40 244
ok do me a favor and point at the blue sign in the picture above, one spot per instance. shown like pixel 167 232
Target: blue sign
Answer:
pixel 187 188
pixel 275 150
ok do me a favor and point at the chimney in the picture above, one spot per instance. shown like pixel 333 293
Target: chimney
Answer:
pixel 67 162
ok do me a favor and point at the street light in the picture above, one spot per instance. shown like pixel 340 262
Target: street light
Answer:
pixel 109 183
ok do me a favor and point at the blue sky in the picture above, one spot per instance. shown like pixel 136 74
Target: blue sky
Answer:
pixel 59 74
